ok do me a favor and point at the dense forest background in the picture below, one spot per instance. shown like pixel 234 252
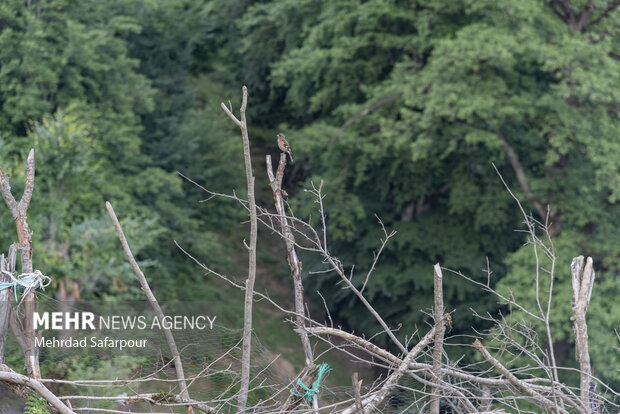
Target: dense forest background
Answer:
pixel 399 106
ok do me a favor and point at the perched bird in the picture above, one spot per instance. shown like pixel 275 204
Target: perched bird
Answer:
pixel 284 146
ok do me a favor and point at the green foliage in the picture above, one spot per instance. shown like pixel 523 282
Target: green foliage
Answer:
pixel 74 242
pixel 55 53
pixel 185 132
pixel 86 85
pixel 36 405
pixel 400 107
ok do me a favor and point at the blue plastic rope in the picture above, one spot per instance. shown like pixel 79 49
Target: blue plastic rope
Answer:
pixel 311 392
pixel 15 284
pixel 8 286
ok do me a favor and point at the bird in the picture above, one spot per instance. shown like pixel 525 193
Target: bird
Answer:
pixel 284 146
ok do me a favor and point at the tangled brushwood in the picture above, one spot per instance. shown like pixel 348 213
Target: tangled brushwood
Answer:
pixel 515 371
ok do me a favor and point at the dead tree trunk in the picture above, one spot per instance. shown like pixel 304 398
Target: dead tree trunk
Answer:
pixel 293 261
pixel 583 280
pixel 24 327
pixel 5 303
pixel 440 329
pixel 275 182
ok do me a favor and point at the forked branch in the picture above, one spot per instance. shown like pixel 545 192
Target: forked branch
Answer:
pixel 24 330
pixel 249 284
pixel 583 281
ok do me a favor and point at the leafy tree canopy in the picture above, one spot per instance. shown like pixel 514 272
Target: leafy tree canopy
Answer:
pixel 402 106
pixel 399 106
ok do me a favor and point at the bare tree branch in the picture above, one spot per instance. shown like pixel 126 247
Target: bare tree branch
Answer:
pixel 371 402
pixel 293 261
pixel 249 284
pixel 356 383
pixel 336 266
pixel 25 327
pixel 5 303
pixel 582 281
pixel 7 195
pixel 28 189
pixel 384 241
pixel 178 364
pixel 38 387
pixel 515 381
pixel 440 329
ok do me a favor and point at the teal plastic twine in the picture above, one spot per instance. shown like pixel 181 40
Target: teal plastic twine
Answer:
pixel 27 282
pixel 309 393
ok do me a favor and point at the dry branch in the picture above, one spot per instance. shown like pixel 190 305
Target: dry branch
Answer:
pixel 178 365
pixel 37 386
pixel 583 281
pixel 249 284
pixel 440 329
pixel 336 266
pixel 357 384
pixel 457 385
pixel 24 330
pixel 537 245
pixel 5 304
pixel 275 182
pixel 371 402
pixel 522 385
pixel 160 399
pixel 294 263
